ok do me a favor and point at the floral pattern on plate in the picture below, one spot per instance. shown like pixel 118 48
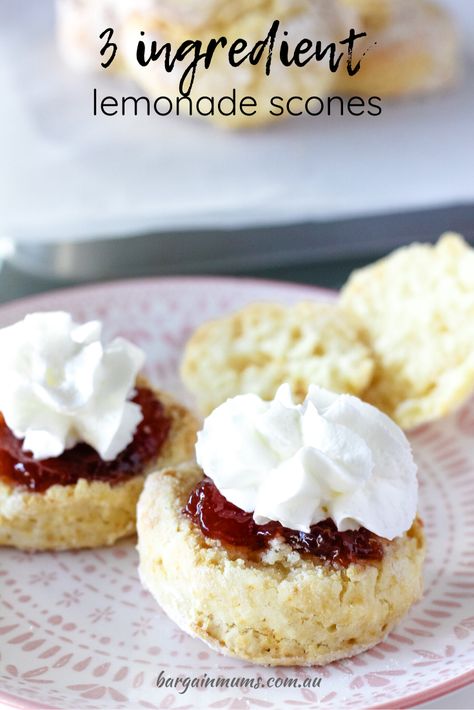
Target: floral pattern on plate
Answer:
pixel 77 629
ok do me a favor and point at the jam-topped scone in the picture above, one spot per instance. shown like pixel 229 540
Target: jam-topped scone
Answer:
pixel 79 431
pixel 296 541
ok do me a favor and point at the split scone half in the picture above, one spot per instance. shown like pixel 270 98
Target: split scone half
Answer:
pixel 265 344
pixel 89 512
pixel 416 308
pixel 275 607
pixel 411 48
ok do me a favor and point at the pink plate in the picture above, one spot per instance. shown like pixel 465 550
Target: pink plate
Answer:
pixel 77 631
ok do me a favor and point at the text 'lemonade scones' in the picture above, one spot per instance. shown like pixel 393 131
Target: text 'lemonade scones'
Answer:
pixel 296 541
pixel 416 307
pixel 410 48
pixel 265 344
pixel 79 431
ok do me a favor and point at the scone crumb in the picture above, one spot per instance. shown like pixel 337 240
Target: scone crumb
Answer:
pixel 278 552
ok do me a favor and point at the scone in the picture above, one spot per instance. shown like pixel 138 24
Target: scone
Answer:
pixel 265 344
pixel 79 431
pixel 299 18
pixel 411 48
pixel 272 594
pixel 89 512
pixel 416 308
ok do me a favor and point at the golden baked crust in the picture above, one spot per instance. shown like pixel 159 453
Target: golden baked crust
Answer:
pixel 265 344
pixel 416 307
pixel 411 48
pixel 277 609
pixel 88 513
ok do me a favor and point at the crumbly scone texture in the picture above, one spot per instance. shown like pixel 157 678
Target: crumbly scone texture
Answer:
pixel 276 608
pixel 416 307
pixel 265 344
pixel 411 48
pixel 88 513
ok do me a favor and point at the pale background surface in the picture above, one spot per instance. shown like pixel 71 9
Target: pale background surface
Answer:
pixel 462 699
pixel 65 175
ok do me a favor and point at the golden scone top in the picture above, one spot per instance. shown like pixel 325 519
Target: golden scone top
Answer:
pixel 60 385
pixel 333 456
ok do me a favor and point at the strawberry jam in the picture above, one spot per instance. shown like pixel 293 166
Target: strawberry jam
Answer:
pixel 221 520
pixel 82 461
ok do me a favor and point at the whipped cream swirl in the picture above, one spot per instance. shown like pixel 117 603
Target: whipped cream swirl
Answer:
pixel 60 385
pixel 333 456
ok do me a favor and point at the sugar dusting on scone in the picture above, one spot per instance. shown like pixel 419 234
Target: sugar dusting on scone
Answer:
pixel 416 308
pixel 265 344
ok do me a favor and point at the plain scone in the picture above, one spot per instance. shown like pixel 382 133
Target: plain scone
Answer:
pixel 266 344
pixel 416 308
pixel 277 609
pixel 88 513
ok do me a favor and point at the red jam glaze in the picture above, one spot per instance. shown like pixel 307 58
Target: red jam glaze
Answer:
pixel 221 520
pixel 82 461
